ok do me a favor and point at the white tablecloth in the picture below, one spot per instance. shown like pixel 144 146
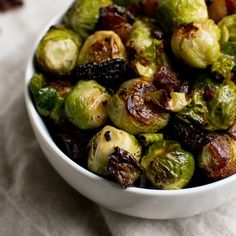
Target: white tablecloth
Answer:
pixel 34 200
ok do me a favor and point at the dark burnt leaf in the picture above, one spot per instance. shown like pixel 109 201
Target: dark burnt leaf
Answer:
pixel 109 74
pixel 166 79
pixel 9 4
pixel 122 168
pixel 117 19
pixel 159 98
pixel 192 137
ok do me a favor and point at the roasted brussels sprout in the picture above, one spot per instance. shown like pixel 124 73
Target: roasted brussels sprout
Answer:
pixel 83 15
pixel 103 145
pixel 86 105
pixel 58 51
pixel 173 13
pixel 213 104
pixel 197 43
pixel 102 46
pixel 130 110
pixel 37 82
pixel 218 158
pixel 49 97
pixel 146 52
pixel 168 166
pixel 222 112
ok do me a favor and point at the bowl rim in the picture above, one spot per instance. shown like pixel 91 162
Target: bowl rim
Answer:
pixel 38 123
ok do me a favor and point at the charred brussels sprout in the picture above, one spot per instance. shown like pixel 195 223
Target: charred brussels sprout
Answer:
pixel 83 15
pixel 197 43
pixel 218 158
pixel 49 97
pixel 130 111
pixel 173 13
pixel 102 46
pixel 86 105
pixel 150 138
pixel 58 51
pixel 146 52
pixel 168 166
pixel 103 145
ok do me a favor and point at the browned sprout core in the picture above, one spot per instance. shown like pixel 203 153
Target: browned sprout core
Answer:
pixel 123 168
pixel 6 5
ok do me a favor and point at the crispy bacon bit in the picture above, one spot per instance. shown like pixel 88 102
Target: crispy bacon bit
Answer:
pixel 166 79
pixel 123 168
pixel 116 18
pixel 9 4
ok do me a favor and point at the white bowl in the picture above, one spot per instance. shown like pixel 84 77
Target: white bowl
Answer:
pixel 144 203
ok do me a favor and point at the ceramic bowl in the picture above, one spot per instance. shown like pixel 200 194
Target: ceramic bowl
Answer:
pixel 144 203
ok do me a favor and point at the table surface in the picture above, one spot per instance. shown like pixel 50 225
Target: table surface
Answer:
pixel 34 200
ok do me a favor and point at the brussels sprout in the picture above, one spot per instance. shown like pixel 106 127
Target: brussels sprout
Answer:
pixel 131 111
pixel 58 51
pixel 196 110
pixel 83 15
pixel 86 105
pixel 197 43
pixel 147 53
pixel 103 144
pixel 168 166
pixel 172 13
pixel 223 66
pixel 222 112
pixel 37 82
pixel 228 28
pixel 49 97
pixel 102 46
pixel 218 158
pixel 150 138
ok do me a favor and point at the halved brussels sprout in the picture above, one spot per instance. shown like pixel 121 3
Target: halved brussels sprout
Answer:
pixel 168 166
pixel 103 144
pixel 146 52
pixel 58 51
pixel 131 111
pixel 197 43
pixel 49 97
pixel 83 15
pixel 86 105
pixel 173 13
pixel 102 46
pixel 218 158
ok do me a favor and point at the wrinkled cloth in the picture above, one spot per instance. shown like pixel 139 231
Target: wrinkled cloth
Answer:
pixel 34 199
